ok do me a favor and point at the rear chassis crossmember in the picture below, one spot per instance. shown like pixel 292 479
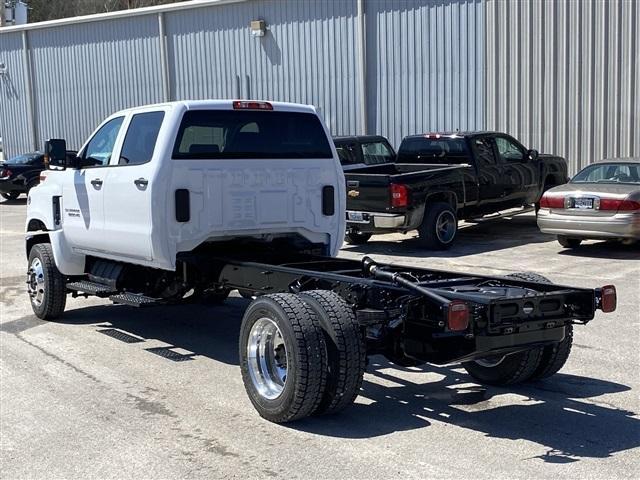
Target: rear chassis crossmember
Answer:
pixel 403 310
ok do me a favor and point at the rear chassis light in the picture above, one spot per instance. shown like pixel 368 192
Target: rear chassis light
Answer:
pixel 5 172
pixel 243 105
pixel 457 316
pixel 399 195
pixel 608 298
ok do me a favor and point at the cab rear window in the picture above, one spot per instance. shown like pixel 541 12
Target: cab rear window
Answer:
pixel 432 150
pixel 228 134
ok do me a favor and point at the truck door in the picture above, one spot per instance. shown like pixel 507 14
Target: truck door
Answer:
pixel 519 172
pixel 491 185
pixel 83 190
pixel 127 194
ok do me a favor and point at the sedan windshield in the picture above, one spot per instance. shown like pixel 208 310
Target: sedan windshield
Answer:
pixel 609 173
pixel 26 159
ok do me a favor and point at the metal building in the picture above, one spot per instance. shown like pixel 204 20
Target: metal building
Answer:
pixel 563 75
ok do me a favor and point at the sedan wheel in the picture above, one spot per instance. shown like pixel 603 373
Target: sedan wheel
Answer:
pixel 567 242
pixel 10 195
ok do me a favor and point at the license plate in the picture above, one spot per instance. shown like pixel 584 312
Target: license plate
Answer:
pixel 585 203
pixel 355 216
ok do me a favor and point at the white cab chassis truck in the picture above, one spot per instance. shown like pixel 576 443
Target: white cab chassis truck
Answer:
pixel 187 201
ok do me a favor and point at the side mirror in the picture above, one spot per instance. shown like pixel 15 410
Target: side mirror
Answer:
pixel 533 155
pixel 55 154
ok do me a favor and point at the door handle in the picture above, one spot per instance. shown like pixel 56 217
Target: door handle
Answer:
pixel 141 182
pixel 96 182
pixel 353 183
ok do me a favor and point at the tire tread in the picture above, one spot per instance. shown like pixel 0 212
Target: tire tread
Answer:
pixel 344 384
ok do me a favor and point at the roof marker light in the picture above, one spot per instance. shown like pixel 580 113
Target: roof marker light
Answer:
pixel 245 105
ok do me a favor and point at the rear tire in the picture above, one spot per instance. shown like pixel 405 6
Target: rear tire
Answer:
pixel 508 370
pixel 10 195
pixel 357 238
pixel 45 284
pixel 553 356
pixel 283 357
pixel 567 242
pixel 439 227
pixel 345 349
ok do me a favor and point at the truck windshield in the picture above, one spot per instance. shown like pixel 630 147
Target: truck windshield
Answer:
pixel 225 134
pixel 433 150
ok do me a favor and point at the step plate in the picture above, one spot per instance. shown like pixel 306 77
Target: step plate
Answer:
pixel 134 300
pixel 91 288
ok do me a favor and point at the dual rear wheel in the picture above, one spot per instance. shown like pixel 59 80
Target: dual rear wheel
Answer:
pixel 533 364
pixel 301 355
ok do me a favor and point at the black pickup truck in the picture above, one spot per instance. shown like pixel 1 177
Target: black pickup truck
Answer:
pixel 440 178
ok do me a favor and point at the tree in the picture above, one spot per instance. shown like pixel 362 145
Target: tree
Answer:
pixel 42 10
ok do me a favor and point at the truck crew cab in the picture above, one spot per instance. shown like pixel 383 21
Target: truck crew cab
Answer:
pixel 187 201
pixel 440 178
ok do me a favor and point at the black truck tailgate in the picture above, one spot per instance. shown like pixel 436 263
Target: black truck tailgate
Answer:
pixel 369 188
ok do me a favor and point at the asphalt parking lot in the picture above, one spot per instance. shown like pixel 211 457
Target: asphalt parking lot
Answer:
pixel 117 392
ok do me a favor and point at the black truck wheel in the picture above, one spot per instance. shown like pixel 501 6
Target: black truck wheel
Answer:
pixel 45 284
pixel 345 349
pixel 357 238
pixel 439 227
pixel 505 370
pixel 283 357
pixel 567 242
pixel 10 195
pixel 553 356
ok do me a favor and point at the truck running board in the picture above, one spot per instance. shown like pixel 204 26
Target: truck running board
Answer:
pixel 503 214
pixel 91 288
pixel 134 300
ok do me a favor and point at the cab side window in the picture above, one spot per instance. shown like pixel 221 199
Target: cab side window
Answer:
pixel 484 152
pixel 100 147
pixel 141 137
pixel 376 153
pixel 346 153
pixel 509 151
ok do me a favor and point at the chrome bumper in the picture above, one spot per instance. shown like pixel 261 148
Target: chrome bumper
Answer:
pixel 377 220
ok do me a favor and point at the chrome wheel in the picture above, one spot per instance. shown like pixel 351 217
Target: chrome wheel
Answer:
pixel 267 358
pixel 446 227
pixel 35 282
pixel 489 362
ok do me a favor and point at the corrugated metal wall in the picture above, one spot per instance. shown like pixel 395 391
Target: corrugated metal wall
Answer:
pixel 308 55
pixel 14 122
pixel 564 76
pixel 83 73
pixel 425 66
pixel 561 75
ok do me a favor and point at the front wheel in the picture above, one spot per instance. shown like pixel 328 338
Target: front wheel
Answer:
pixel 567 242
pixel 439 227
pixel 45 284
pixel 283 357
